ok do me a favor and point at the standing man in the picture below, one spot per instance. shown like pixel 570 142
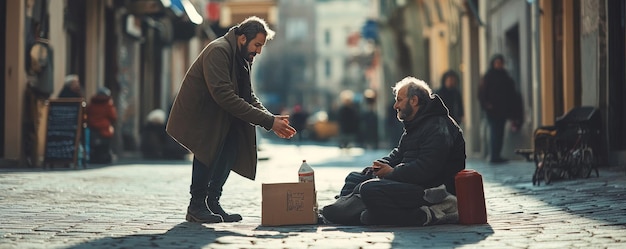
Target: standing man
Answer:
pixel 500 101
pixel 430 153
pixel 214 115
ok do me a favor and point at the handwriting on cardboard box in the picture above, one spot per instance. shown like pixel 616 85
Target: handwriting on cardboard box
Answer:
pixel 295 201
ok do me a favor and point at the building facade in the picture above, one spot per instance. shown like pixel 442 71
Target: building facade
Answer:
pixel 125 46
pixel 561 54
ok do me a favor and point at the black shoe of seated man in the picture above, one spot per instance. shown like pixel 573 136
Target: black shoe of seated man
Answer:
pixel 214 206
pixel 198 212
pixel 367 219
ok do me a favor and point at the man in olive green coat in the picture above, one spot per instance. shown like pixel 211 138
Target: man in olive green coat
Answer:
pixel 215 113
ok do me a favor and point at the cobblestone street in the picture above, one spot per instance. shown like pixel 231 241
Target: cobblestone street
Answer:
pixel 142 205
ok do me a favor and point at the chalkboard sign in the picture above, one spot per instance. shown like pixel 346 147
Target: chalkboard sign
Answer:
pixel 63 130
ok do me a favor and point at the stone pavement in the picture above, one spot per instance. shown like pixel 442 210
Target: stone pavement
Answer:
pixel 142 205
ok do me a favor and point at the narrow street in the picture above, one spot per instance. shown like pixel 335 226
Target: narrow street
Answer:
pixel 142 205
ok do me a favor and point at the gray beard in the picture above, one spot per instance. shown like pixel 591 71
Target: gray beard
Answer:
pixel 404 113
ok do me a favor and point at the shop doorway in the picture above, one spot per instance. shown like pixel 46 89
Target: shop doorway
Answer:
pixel 617 74
pixel 512 52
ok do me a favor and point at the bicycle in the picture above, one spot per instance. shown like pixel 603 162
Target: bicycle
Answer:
pixel 557 155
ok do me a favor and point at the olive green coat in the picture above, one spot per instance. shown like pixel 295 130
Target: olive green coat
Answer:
pixel 207 104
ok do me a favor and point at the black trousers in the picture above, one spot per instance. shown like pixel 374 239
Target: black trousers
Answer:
pixel 210 180
pixel 100 148
pixel 496 139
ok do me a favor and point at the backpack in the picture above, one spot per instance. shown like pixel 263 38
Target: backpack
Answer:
pixel 38 55
pixel 346 210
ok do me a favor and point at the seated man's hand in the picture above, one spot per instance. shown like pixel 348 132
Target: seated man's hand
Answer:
pixel 381 169
pixel 367 170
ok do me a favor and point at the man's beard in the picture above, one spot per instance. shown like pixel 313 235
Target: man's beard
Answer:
pixel 247 55
pixel 405 112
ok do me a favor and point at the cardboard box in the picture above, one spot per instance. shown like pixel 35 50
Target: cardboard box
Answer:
pixel 288 204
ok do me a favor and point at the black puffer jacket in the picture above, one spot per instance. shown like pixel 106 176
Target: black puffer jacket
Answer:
pixel 431 150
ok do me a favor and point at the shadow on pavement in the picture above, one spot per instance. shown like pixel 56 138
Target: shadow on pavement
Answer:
pixel 598 198
pixel 183 235
pixel 445 236
pixel 439 236
pixel 96 166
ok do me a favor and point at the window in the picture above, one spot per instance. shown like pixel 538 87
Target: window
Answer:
pixel 327 68
pixel 327 37
pixel 296 29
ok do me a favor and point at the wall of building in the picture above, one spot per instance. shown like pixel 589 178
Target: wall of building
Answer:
pixel 590 41
pixel 15 78
pixel 470 74
pixel 339 20
pixel 58 37
pixel 95 43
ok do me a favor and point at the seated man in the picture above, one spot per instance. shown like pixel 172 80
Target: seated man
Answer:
pixel 430 153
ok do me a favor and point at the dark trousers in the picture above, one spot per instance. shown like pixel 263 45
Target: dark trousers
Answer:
pixel 209 180
pixel 393 203
pixel 100 148
pixel 496 136
pixel 388 202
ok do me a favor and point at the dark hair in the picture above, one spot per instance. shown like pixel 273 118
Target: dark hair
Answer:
pixel 494 58
pixel 252 26
pixel 449 73
pixel 416 87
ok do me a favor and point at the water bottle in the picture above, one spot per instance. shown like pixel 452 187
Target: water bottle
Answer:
pixel 305 173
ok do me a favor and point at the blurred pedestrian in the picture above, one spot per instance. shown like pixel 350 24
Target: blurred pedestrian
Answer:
pixel 214 115
pixel 392 191
pixel 348 118
pixel 71 88
pixel 369 121
pixel 298 120
pixel 153 135
pixel 101 115
pixel 451 96
pixel 500 101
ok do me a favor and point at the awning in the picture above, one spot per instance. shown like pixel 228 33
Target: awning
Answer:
pixel 182 7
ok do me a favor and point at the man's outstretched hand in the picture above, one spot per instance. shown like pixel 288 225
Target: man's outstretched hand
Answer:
pixel 282 128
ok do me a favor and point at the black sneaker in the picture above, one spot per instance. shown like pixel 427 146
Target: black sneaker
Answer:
pixel 201 214
pixel 216 208
pixel 366 218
